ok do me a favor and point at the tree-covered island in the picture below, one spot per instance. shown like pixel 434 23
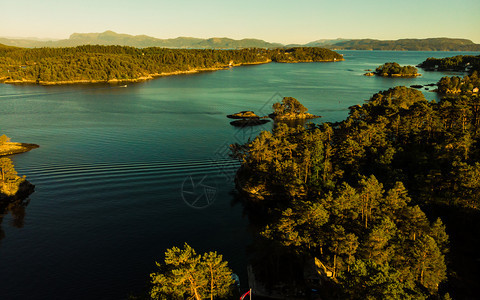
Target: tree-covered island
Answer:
pixel 393 69
pixel 93 64
pixel 290 109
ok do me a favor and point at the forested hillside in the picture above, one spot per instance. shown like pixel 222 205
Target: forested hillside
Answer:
pixel 110 63
pixel 364 197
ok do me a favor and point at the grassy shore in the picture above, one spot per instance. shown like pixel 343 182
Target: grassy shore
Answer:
pixel 16 148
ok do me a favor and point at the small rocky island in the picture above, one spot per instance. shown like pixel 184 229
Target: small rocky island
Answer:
pixel 244 114
pixel 290 109
pixel 247 118
pixel 393 69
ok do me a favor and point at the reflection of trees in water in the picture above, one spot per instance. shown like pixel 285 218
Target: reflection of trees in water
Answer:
pixel 17 209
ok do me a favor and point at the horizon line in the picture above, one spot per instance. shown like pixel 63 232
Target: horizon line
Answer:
pixel 48 39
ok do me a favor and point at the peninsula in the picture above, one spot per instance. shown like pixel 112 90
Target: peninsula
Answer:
pixel 12 186
pixel 9 148
pixel 459 63
pixel 113 64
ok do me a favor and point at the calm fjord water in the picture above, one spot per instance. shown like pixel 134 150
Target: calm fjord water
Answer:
pixel 114 165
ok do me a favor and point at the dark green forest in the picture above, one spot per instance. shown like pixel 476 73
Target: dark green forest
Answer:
pixel 468 85
pixel 455 63
pixel 368 198
pixel 394 69
pixel 104 63
pixel 456 85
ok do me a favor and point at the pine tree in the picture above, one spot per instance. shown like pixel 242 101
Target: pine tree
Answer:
pixel 186 274
pixel 9 181
pixel 430 266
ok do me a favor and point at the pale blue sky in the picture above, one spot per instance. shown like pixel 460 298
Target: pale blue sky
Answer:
pixel 294 21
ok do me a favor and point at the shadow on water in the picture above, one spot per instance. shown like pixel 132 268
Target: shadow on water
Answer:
pixel 293 123
pixel 17 209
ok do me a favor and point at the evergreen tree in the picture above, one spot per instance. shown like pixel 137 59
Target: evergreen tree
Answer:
pixel 186 274
pixel 4 139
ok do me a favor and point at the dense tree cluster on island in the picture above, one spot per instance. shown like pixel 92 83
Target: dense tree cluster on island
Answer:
pixel 395 70
pixel 290 109
pixel 109 63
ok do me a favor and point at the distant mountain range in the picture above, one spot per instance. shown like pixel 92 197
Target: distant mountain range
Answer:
pixel 433 44
pixel 142 41
pixel 319 43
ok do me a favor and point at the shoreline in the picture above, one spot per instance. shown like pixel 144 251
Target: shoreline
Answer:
pixel 16 148
pixel 400 75
pixel 151 76
pixel 304 116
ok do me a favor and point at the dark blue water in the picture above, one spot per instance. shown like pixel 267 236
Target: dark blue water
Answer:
pixel 115 168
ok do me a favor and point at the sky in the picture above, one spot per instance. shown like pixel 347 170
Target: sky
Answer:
pixel 294 21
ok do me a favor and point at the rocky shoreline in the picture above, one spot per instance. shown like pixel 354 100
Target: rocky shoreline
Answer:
pixel 392 75
pixel 400 75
